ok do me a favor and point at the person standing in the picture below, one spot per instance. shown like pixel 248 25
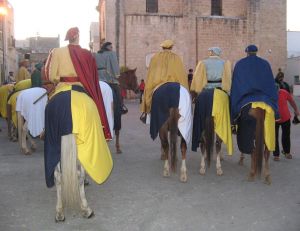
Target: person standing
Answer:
pixel 141 88
pixel 36 76
pixel 109 72
pixel 23 73
pixel 284 97
pixel 280 81
pixel 11 78
pixel 190 77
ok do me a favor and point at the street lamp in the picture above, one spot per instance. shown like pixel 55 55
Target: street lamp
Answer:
pixel 3 13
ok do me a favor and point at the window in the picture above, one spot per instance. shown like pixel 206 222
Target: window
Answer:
pixel 152 6
pixel 216 7
pixel 296 79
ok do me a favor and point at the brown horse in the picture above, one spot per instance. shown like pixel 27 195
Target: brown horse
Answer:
pixel 128 81
pixel 170 128
pixel 260 151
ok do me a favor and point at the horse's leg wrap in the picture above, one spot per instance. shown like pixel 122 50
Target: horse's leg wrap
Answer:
pixel 241 161
pixel 59 205
pixel 86 211
pixel 22 131
pixel 166 169
pixel 219 156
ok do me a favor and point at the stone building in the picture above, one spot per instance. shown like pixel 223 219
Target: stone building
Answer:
pixel 137 27
pixel 8 53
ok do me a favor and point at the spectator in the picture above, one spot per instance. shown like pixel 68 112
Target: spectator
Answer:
pixel 141 88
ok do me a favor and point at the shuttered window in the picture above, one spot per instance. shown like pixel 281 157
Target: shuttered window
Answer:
pixel 152 6
pixel 216 7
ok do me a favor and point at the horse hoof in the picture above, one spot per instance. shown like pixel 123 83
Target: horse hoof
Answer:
pixel 268 180
pixel 119 151
pixel 166 173
pixel 87 213
pixel 183 177
pixel 26 152
pixel 33 148
pixel 59 217
pixel 220 172
pixel 86 182
pixel 202 171
pixel 241 163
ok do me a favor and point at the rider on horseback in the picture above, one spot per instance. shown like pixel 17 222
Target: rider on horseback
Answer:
pixel 165 66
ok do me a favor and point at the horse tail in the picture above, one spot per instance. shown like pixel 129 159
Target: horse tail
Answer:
pixel 173 128
pixel 259 140
pixel 209 138
pixel 69 170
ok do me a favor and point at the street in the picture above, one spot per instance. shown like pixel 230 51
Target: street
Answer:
pixel 137 196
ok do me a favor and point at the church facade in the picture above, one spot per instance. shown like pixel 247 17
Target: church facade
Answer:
pixel 137 27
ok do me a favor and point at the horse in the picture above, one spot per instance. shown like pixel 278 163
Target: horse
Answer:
pixel 260 150
pixel 128 81
pixel 30 116
pixel 211 110
pixel 173 120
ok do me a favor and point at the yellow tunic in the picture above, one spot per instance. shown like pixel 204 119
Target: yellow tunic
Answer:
pixel 93 151
pixel 22 74
pixel 164 67
pixel 4 92
pixel 200 79
pixel 221 115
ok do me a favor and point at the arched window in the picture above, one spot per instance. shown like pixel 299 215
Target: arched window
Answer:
pixel 216 7
pixel 152 6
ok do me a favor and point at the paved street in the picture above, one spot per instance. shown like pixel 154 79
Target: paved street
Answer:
pixel 137 197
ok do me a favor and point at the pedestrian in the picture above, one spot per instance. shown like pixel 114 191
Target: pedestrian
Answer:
pixel 23 73
pixel 280 81
pixel 284 97
pixel 109 72
pixel 36 76
pixel 11 78
pixel 142 88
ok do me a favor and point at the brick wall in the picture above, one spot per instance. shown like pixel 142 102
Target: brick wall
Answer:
pixel 187 21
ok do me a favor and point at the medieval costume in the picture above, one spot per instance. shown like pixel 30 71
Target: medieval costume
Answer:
pixel 4 93
pixel 253 86
pixel 23 73
pixel 166 87
pixel 76 108
pixel 212 72
pixel 109 72
pixel 211 75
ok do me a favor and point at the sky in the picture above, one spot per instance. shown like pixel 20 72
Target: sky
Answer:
pixel 53 17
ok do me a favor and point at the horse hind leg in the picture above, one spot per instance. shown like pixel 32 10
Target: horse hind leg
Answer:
pixel 218 161
pixel 86 211
pixel 183 170
pixel 31 141
pixel 203 154
pixel 267 174
pixel 163 135
pixel 22 131
pixel 59 216
pixel 117 133
pixel 241 161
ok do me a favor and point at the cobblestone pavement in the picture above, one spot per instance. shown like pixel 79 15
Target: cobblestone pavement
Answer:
pixel 137 197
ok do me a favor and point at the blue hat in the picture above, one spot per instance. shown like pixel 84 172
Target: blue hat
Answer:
pixel 251 49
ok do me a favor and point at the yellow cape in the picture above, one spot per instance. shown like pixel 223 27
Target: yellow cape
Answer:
pixel 164 67
pixel 4 92
pixel 221 115
pixel 92 148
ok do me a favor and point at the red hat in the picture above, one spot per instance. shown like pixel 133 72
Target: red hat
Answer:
pixel 72 33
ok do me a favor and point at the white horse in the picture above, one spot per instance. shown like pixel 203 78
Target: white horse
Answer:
pixel 31 116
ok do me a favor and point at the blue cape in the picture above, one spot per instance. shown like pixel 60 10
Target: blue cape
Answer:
pixel 252 81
